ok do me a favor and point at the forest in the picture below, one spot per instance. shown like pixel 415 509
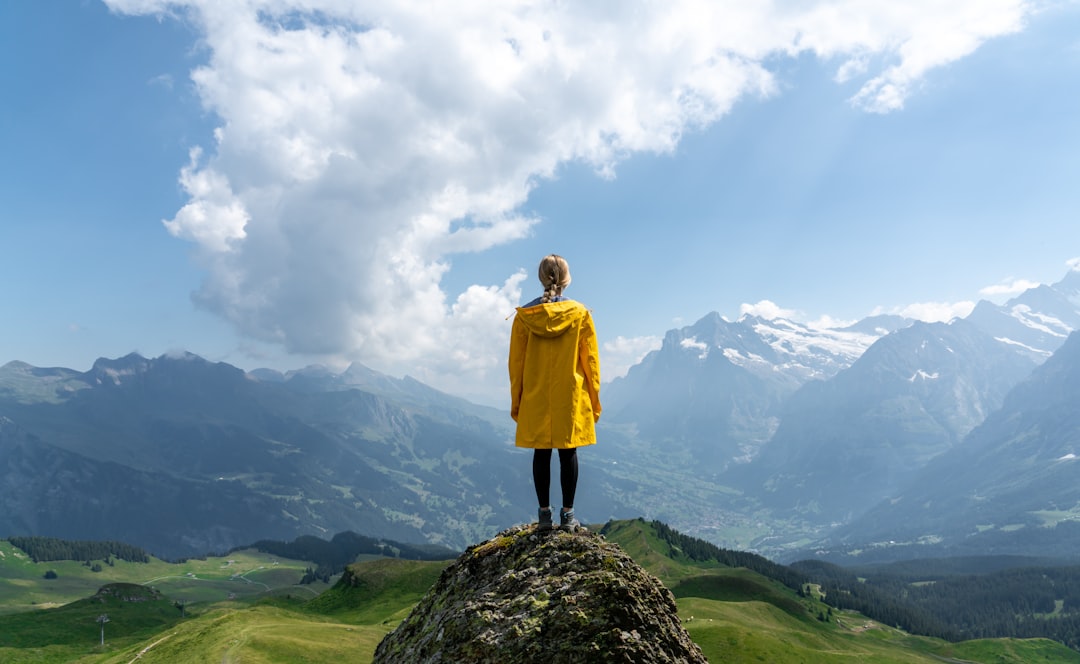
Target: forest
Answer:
pixel 701 551
pixel 331 557
pixel 46 549
pixel 1021 602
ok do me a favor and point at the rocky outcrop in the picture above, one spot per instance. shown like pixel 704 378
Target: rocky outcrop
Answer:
pixel 552 597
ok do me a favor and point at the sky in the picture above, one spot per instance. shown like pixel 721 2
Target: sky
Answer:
pixel 277 183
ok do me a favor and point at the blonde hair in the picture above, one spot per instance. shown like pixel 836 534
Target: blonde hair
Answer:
pixel 554 276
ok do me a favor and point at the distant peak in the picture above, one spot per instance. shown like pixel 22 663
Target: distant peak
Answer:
pixel 127 361
pixel 181 356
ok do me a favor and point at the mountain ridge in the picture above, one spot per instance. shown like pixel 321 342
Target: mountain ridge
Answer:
pixel 285 461
pixel 774 433
pixel 1012 478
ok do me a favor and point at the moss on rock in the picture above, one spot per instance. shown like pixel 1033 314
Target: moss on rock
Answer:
pixel 532 596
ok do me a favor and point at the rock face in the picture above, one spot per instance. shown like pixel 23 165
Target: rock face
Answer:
pixel 552 597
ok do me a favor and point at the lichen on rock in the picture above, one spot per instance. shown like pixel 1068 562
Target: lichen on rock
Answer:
pixel 552 597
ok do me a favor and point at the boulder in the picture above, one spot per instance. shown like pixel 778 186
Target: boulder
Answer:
pixel 534 596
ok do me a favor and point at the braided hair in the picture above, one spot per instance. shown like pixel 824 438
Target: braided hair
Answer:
pixel 554 276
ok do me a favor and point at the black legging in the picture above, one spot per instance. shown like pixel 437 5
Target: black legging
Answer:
pixel 567 476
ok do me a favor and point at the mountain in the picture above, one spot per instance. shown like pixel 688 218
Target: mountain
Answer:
pixel 46 490
pixel 714 389
pixel 751 433
pixel 183 457
pixel 860 438
pixel 407 392
pixel 846 443
pixel 777 433
pixel 718 391
pixel 1037 321
pixel 1009 487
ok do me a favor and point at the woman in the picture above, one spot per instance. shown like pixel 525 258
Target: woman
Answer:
pixel 554 386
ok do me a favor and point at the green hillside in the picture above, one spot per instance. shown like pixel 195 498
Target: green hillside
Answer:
pixel 738 615
pixel 734 613
pixel 377 591
pixel 255 635
pixel 246 574
pixel 133 613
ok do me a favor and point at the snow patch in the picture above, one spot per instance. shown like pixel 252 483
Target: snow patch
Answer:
pixel 790 338
pixel 736 357
pixel 1012 342
pixel 1040 322
pixel 922 375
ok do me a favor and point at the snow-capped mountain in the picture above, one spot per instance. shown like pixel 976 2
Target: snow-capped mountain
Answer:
pixel 714 387
pixel 815 426
pixel 1010 486
pixel 848 442
pixel 795 350
pixel 1037 321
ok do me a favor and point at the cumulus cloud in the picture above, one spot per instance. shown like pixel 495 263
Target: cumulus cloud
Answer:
pixel 1074 264
pixel 215 217
pixel 931 312
pixel 1010 286
pixel 943 33
pixel 621 353
pixel 827 322
pixel 361 145
pixel 768 310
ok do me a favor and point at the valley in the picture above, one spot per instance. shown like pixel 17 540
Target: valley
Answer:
pixel 883 442
pixel 735 614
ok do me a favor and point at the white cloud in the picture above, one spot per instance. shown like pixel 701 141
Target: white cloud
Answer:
pixel 931 312
pixel 927 35
pixel 1074 264
pixel 693 344
pixel 621 353
pixel 215 217
pixel 1010 286
pixel 767 310
pixel 362 144
pixel 827 322
pixel 163 80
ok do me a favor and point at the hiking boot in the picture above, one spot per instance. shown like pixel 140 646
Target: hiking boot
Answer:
pixel 568 522
pixel 545 518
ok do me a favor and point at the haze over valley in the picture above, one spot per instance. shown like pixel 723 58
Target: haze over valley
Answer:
pixel 754 434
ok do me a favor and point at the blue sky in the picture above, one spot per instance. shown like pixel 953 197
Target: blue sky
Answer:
pixel 366 182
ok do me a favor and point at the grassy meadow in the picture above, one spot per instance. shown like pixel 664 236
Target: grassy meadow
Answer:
pixel 238 576
pixel 246 608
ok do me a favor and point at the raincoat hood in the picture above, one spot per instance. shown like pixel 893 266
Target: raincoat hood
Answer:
pixel 552 319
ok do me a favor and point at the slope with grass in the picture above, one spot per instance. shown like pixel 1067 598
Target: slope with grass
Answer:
pixel 739 615
pixel 378 591
pixel 119 613
pixel 734 613
pixel 261 634
pixel 238 575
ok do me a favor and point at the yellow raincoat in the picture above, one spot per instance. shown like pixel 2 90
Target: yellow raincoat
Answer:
pixel 554 376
